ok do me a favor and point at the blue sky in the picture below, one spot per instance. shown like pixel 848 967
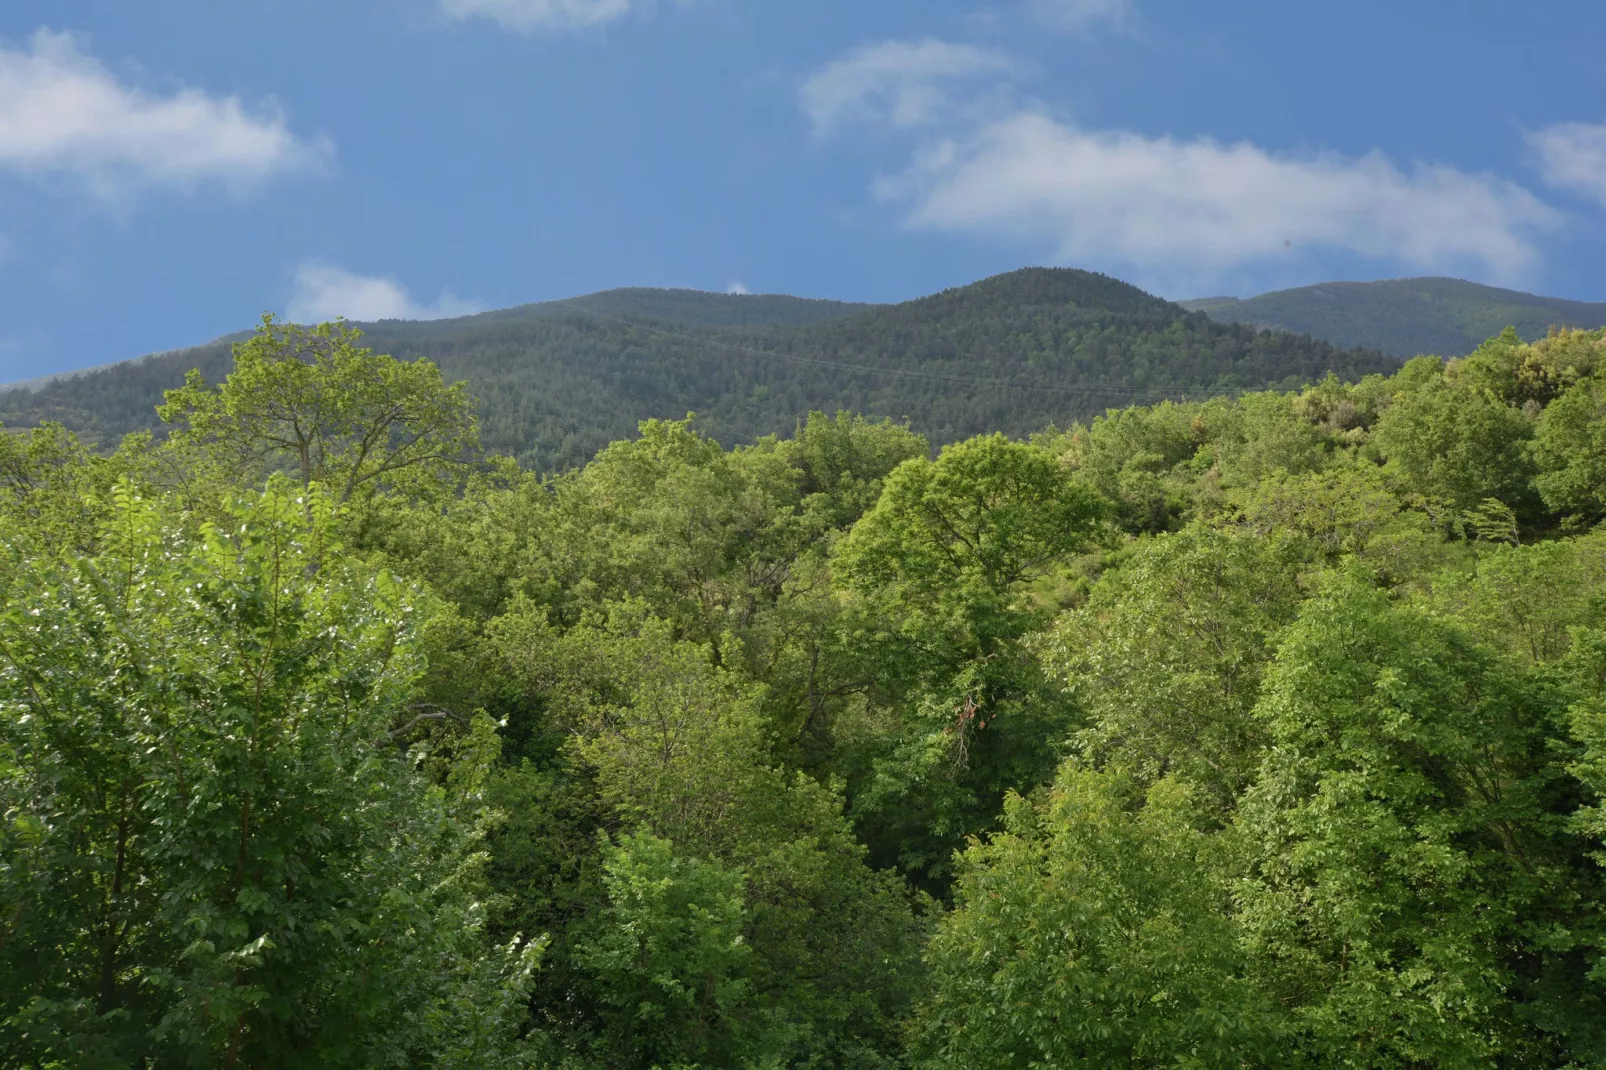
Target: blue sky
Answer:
pixel 170 169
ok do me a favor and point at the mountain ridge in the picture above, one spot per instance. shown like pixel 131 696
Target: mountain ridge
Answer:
pixel 1404 317
pixel 666 303
pixel 1345 313
pixel 1014 352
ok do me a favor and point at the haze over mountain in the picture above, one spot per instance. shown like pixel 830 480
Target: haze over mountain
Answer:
pixel 559 380
pixel 1404 317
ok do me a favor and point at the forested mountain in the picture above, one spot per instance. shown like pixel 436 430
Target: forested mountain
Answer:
pixel 1259 732
pixel 684 308
pixel 558 381
pixel 1404 317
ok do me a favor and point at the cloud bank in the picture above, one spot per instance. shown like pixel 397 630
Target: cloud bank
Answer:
pixel 64 113
pixel 324 292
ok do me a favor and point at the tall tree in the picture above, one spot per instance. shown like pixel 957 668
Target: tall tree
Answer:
pixel 213 851
pixel 1167 655
pixel 1413 891
pixel 314 402
pixel 942 567
pixel 1094 931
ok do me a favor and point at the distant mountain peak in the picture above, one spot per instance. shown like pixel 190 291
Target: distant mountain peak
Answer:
pixel 1053 286
pixel 1404 317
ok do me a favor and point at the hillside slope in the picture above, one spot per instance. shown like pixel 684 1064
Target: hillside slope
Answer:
pixel 685 308
pixel 1013 353
pixel 1404 317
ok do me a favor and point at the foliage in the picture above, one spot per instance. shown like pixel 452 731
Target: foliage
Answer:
pixel 1343 511
pixel 942 564
pixel 1588 719
pixel 674 746
pixel 1455 444
pixel 1207 605
pixel 316 403
pixel 1093 931
pixel 667 955
pixel 1261 729
pixel 1570 446
pixel 1408 831
pixel 54 489
pixel 213 850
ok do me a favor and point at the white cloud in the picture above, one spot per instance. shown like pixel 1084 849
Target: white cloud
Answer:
pixel 738 289
pixel 901 82
pixel 1200 206
pixel 1175 210
pixel 1082 14
pixel 1573 156
pixel 63 112
pixel 527 15
pixel 324 292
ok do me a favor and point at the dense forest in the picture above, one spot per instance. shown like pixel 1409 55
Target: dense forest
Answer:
pixel 1263 730
pixel 1405 317
pixel 559 381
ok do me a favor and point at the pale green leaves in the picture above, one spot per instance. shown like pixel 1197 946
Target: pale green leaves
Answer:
pixel 314 403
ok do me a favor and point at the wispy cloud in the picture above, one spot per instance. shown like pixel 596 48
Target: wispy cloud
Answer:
pixel 532 15
pixel 738 289
pixel 1082 15
pixel 64 112
pixel 905 83
pixel 324 292
pixel 1573 156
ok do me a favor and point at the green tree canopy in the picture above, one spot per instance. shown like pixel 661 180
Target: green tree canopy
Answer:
pixel 1094 931
pixel 1409 836
pixel 215 852
pixel 315 403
